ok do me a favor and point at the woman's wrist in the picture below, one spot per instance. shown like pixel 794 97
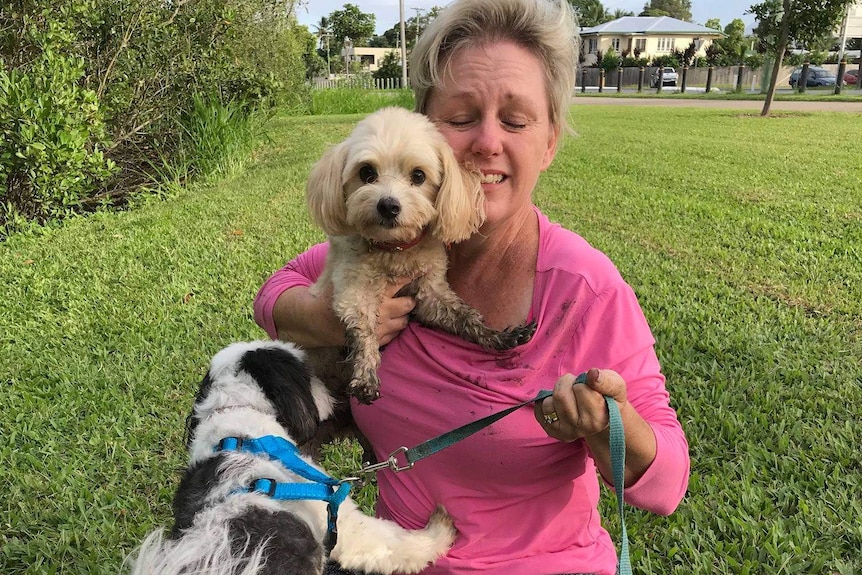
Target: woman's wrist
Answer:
pixel 306 319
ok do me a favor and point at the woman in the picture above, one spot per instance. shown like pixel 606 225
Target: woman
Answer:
pixel 496 76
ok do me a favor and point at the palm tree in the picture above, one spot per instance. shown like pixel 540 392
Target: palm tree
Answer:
pixel 323 29
pixel 590 12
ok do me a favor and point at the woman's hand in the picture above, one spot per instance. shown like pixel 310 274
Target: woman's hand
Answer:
pixel 394 312
pixel 305 317
pixel 578 411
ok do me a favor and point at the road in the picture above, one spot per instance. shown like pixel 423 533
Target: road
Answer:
pixel 777 105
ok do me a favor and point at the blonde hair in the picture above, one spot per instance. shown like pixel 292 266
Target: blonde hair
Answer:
pixel 547 28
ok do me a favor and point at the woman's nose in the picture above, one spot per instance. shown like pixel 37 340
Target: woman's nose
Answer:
pixel 487 139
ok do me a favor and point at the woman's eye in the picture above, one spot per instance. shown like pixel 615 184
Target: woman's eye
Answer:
pixel 515 124
pixel 367 174
pixel 458 122
pixel 417 177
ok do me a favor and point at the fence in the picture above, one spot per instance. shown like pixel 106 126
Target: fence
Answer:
pixel 724 77
pixel 363 82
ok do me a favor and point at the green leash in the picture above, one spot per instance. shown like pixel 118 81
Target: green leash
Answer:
pixel 409 456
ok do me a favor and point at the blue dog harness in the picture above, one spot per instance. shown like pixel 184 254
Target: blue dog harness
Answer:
pixel 322 487
pixel 333 491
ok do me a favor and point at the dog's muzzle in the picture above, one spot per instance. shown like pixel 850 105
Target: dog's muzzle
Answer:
pixel 389 208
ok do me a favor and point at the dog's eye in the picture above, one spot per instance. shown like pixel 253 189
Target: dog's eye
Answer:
pixel 417 177
pixel 367 174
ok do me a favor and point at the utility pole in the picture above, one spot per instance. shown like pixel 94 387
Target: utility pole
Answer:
pixel 327 36
pixel 418 11
pixel 403 46
pixel 843 34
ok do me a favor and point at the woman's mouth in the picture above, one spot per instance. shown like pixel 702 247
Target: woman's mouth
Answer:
pixel 492 178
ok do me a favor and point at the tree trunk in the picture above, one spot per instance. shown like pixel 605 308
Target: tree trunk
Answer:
pixel 780 48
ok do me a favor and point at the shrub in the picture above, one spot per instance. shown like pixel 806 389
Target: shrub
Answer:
pixel 97 94
pixel 793 59
pixel 610 61
pixel 669 60
pixel 818 57
pixel 754 60
pixel 635 62
pixel 390 67
pixel 53 134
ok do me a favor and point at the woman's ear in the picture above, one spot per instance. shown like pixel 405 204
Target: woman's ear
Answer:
pixel 324 191
pixel 460 202
pixel 551 151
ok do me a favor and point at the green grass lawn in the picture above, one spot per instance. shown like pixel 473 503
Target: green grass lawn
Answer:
pixel 742 237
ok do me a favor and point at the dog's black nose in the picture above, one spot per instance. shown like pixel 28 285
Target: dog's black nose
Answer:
pixel 389 208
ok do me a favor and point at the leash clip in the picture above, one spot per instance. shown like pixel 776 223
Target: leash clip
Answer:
pixel 390 463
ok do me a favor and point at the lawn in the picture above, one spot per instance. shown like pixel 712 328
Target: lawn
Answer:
pixel 741 235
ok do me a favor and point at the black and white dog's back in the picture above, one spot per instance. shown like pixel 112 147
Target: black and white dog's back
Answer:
pixel 254 390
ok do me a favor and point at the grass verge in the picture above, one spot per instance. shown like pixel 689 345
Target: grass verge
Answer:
pixel 741 236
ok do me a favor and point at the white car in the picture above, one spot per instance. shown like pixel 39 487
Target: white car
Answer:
pixel 668 77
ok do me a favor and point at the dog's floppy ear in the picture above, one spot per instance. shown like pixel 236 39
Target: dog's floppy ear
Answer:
pixel 460 201
pixel 324 191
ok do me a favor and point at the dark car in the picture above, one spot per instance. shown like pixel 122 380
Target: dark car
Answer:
pixel 817 76
pixel 851 77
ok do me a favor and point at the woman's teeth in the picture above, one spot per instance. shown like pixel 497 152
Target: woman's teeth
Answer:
pixel 492 178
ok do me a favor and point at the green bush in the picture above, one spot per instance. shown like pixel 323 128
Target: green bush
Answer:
pixel 754 60
pixel 818 57
pixel 53 134
pixel 630 62
pixel 97 95
pixel 389 68
pixel 610 61
pixel 667 60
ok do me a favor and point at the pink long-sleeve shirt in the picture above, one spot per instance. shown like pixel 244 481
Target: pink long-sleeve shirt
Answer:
pixel 523 503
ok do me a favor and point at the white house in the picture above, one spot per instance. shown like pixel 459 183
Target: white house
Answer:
pixel 645 36
pixel 369 59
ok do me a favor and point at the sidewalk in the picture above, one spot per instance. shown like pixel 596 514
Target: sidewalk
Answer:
pixel 800 106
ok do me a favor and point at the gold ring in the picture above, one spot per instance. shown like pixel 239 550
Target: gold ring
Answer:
pixel 551 418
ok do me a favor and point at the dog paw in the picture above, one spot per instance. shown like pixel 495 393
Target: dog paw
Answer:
pixel 365 391
pixel 440 522
pixel 514 336
pixel 441 530
pixel 427 544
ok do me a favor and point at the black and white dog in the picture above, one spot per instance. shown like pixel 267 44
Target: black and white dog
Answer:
pixel 225 524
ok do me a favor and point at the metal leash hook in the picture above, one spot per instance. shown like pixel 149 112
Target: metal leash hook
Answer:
pixel 390 463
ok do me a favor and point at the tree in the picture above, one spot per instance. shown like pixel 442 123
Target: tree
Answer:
pixel 591 12
pixel 802 20
pixel 713 23
pixel 323 31
pixel 413 28
pixel 734 44
pixel 620 13
pixel 390 67
pixel 679 9
pixel 352 23
pixel 313 58
pixel 610 61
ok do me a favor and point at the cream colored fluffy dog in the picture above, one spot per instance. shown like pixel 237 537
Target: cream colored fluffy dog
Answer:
pixel 391 197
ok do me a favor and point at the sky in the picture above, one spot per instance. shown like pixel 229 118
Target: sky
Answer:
pixel 387 11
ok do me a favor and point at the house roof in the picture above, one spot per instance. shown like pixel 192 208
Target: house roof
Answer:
pixel 649 25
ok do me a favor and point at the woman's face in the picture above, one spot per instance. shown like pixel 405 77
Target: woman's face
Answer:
pixel 493 109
